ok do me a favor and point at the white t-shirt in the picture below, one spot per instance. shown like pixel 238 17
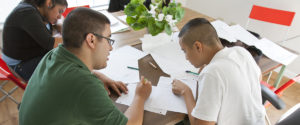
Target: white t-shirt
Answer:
pixel 231 93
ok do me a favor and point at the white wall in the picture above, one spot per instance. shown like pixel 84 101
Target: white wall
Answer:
pixel 237 12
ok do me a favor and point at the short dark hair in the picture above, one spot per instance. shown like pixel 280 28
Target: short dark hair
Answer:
pixel 79 23
pixel 40 3
pixel 199 29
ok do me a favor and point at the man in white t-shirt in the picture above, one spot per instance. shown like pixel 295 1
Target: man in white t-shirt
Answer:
pixel 230 89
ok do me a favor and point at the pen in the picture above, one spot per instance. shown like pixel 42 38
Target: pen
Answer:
pixel 129 67
pixel 153 65
pixel 187 71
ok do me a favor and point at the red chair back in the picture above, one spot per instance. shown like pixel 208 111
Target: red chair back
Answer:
pixel 271 15
pixel 7 74
pixel 68 10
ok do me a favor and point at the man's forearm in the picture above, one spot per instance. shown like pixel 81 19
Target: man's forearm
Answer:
pixel 135 112
pixel 190 104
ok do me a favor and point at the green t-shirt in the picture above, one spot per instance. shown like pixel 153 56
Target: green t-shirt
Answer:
pixel 62 91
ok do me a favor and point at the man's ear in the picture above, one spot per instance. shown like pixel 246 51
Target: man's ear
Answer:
pixel 198 46
pixel 49 3
pixel 90 40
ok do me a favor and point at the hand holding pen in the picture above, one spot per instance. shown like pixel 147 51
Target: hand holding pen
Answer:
pixel 143 89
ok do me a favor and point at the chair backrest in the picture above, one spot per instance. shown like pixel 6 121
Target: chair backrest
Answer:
pixel 278 22
pixel 272 15
pixel 269 95
pixel 68 10
pixel 272 94
pixel 5 71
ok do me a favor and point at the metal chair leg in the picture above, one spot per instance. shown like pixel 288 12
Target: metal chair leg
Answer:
pixel 268 120
pixel 8 94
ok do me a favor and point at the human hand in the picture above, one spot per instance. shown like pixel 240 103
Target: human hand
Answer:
pixel 58 28
pixel 143 89
pixel 117 86
pixel 178 87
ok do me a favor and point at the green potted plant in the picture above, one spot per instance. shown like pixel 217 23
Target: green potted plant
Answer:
pixel 158 19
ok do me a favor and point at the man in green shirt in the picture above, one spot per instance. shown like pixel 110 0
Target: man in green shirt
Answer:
pixel 65 90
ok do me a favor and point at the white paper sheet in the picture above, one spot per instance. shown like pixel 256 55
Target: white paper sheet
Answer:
pixel 191 81
pixel 162 98
pixel 127 99
pixel 242 34
pixel 112 19
pixel 115 25
pixel 275 52
pixel 118 62
pixel 223 30
pixel 123 18
pixel 167 54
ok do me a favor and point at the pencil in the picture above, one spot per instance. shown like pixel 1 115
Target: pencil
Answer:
pixel 153 65
pixel 187 71
pixel 129 67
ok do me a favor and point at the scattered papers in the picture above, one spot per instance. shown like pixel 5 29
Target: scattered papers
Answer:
pixel 269 48
pixel 242 34
pixel 127 99
pixel 118 62
pixel 167 54
pixel 223 30
pixel 119 27
pixel 123 18
pixel 115 25
pixel 112 19
pixel 191 81
pixel 275 52
pixel 161 98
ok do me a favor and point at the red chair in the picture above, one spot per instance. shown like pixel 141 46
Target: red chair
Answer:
pixel 68 10
pixel 271 95
pixel 269 91
pixel 7 75
pixel 280 90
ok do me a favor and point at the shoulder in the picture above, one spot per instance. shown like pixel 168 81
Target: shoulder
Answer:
pixel 22 12
pixel 25 7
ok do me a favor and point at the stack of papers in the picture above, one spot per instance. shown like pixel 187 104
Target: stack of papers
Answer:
pixel 269 48
pixel 167 53
pixel 161 98
pixel 275 52
pixel 243 35
pixel 123 18
pixel 223 30
pixel 119 60
pixel 115 25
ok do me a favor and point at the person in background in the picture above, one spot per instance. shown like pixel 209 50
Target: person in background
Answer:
pixel 27 34
pixel 230 91
pixel 65 90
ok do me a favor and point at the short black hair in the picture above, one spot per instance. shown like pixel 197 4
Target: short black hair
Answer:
pixel 199 29
pixel 79 23
pixel 40 3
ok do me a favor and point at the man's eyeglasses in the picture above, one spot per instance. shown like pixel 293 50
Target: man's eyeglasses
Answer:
pixel 110 41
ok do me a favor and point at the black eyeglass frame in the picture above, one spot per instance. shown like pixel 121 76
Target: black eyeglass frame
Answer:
pixel 110 41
